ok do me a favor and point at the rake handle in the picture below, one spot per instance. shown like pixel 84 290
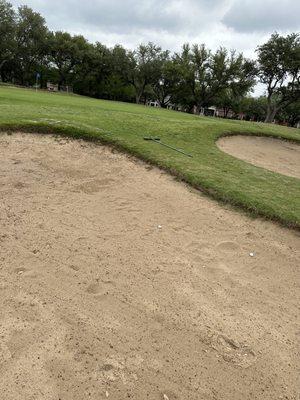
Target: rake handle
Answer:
pixel 157 140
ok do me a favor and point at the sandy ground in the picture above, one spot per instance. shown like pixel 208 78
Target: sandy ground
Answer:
pixel 118 282
pixel 273 154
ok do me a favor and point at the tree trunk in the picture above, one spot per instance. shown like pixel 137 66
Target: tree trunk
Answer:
pixel 1 65
pixel 139 90
pixel 137 97
pixel 22 78
pixel 60 84
pixel 62 81
pixel 199 107
pixel 271 112
pixel 138 94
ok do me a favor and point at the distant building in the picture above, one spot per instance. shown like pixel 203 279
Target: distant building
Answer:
pixel 207 111
pixel 153 103
pixel 51 87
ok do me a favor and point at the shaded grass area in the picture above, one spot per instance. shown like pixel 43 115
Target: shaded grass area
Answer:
pixel 124 126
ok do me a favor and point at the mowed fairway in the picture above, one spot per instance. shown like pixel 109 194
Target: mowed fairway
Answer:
pixel 224 177
pixel 116 282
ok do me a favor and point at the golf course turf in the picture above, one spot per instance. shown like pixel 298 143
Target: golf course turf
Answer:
pixel 254 189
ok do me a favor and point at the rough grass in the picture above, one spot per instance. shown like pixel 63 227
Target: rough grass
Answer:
pixel 222 176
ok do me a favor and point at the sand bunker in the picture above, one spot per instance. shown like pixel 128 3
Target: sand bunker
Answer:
pixel 118 282
pixel 273 154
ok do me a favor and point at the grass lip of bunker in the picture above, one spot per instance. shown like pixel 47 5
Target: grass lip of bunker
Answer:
pixel 227 179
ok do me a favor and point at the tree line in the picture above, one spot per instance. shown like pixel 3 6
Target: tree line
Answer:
pixel 191 79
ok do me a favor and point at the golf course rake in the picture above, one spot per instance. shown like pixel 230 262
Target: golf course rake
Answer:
pixel 157 140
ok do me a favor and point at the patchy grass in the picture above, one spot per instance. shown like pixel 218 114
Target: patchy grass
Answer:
pixel 223 177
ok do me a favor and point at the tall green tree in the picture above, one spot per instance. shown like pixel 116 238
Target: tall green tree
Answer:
pixel 145 67
pixel 7 34
pixel 220 73
pixel 91 70
pixel 183 72
pixel 66 52
pixel 206 76
pixel 118 85
pixel 165 85
pixel 231 96
pixel 279 70
pixel 31 44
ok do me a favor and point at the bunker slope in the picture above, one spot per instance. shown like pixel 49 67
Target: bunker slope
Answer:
pixel 118 282
pixel 273 154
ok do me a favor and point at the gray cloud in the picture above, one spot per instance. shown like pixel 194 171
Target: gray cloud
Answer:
pixel 125 16
pixel 114 16
pixel 267 15
pixel 237 24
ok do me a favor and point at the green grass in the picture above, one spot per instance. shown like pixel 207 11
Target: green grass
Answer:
pixel 223 177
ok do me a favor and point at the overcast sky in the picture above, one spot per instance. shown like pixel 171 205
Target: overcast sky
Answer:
pixel 235 24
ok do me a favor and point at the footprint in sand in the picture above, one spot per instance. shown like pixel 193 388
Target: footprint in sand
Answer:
pixel 234 352
pixel 228 246
pixel 95 288
pixel 99 288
